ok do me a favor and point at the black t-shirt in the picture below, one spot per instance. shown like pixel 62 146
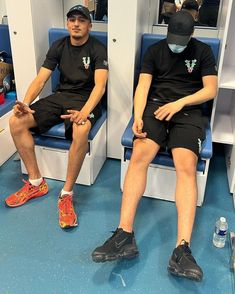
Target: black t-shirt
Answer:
pixel 176 75
pixel 76 64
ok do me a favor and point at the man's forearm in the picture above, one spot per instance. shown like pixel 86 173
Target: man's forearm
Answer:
pixel 199 97
pixel 95 97
pixel 33 91
pixel 139 102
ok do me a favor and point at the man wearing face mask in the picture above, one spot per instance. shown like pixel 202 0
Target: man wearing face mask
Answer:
pixel 178 74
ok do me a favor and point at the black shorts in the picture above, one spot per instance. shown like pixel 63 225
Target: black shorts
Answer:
pixel 186 129
pixel 48 111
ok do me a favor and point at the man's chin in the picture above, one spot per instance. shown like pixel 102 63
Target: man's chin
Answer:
pixel 76 37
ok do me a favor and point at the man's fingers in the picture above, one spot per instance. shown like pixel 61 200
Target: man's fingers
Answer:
pixel 139 128
pixel 29 110
pixel 21 109
pixel 168 118
pixel 65 116
pixel 71 111
pixel 80 121
pixel 141 135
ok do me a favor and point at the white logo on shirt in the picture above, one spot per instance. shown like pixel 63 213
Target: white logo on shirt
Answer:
pixel 190 64
pixel 86 61
pixel 199 141
pixel 105 62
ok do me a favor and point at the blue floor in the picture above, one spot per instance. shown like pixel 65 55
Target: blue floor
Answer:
pixel 38 257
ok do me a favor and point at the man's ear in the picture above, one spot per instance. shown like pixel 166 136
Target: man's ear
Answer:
pixel 90 26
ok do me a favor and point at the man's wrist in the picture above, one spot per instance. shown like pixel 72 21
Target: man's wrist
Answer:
pixel 84 111
pixel 137 117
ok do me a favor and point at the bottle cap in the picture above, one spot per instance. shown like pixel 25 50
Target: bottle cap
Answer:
pixel 223 219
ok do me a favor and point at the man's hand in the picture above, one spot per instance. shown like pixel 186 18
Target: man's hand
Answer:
pixel 166 111
pixel 21 109
pixel 75 116
pixel 137 128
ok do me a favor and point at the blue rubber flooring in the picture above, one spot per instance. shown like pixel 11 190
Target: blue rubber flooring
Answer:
pixel 38 257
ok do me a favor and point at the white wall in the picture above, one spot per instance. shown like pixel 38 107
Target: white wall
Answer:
pixel 29 21
pixel 3 10
pixel 128 19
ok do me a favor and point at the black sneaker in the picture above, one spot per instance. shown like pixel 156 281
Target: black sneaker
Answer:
pixel 120 245
pixel 183 264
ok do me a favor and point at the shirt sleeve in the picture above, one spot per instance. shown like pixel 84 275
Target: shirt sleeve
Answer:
pixel 148 62
pixel 208 64
pixel 100 57
pixel 52 58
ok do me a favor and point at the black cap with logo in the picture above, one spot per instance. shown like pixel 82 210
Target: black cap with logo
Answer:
pixel 79 9
pixel 180 28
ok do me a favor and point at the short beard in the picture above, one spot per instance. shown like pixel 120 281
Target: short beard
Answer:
pixel 77 38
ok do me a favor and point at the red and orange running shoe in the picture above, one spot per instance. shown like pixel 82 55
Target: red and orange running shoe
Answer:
pixel 27 192
pixel 67 215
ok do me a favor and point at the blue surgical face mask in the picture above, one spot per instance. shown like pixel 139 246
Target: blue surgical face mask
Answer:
pixel 176 48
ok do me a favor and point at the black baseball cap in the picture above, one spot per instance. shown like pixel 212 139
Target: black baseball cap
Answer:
pixel 79 9
pixel 190 5
pixel 180 28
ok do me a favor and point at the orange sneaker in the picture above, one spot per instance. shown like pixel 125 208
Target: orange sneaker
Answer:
pixel 67 215
pixel 27 192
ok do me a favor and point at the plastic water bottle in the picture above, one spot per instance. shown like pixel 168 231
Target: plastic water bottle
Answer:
pixel 221 228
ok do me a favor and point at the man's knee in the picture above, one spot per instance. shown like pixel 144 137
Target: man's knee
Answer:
pixel 80 133
pixel 16 125
pixel 140 154
pixel 186 167
pixel 19 124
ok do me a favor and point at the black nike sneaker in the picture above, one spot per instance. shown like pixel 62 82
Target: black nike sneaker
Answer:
pixel 183 264
pixel 120 245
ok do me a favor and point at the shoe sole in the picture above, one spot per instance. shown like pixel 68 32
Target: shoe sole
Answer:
pixel 176 271
pixel 16 205
pixel 68 226
pixel 122 255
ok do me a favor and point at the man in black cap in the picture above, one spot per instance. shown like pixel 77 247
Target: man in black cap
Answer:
pixel 82 62
pixel 177 75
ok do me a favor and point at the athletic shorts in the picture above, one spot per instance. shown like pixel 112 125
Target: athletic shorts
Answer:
pixel 48 111
pixel 186 129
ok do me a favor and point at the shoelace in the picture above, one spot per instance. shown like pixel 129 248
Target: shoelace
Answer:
pixel 66 204
pixel 27 187
pixel 114 234
pixel 188 253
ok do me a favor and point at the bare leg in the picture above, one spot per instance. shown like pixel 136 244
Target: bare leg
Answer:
pixel 135 181
pixel 24 142
pixel 186 191
pixel 77 153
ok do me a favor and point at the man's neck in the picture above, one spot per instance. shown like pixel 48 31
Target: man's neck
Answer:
pixel 80 41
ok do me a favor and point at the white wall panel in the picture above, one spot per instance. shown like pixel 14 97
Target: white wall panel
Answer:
pixel 127 20
pixel 29 21
pixel 3 10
